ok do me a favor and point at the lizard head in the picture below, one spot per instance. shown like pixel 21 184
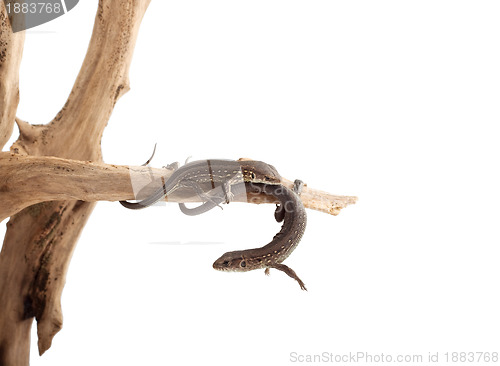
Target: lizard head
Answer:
pixel 259 172
pixel 232 262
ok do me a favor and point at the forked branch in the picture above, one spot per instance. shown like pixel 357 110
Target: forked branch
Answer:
pixel 55 173
pixel 40 238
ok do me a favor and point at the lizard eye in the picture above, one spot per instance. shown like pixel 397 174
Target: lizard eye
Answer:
pixel 243 264
pixel 252 175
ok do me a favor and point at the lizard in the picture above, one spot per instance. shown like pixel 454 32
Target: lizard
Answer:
pixel 292 212
pixel 219 174
pixel 258 177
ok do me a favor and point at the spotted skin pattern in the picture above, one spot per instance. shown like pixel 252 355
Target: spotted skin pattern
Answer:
pixel 292 212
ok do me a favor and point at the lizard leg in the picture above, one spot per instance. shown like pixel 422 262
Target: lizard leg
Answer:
pixel 172 166
pixel 226 188
pixel 210 196
pixel 279 213
pixel 289 272
pixel 297 186
pixel 211 201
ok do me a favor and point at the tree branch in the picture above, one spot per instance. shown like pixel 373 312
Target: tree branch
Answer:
pixel 40 239
pixel 49 184
pixel 28 180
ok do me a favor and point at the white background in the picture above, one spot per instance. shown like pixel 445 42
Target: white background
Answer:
pixel 396 102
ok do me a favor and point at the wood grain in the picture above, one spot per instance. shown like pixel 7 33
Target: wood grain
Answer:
pixel 40 238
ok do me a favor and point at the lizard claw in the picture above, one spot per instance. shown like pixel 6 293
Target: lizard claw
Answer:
pixel 172 166
pixel 229 197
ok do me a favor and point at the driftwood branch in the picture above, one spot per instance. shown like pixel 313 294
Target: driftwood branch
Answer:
pixel 40 239
pixel 50 181
pixel 28 180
